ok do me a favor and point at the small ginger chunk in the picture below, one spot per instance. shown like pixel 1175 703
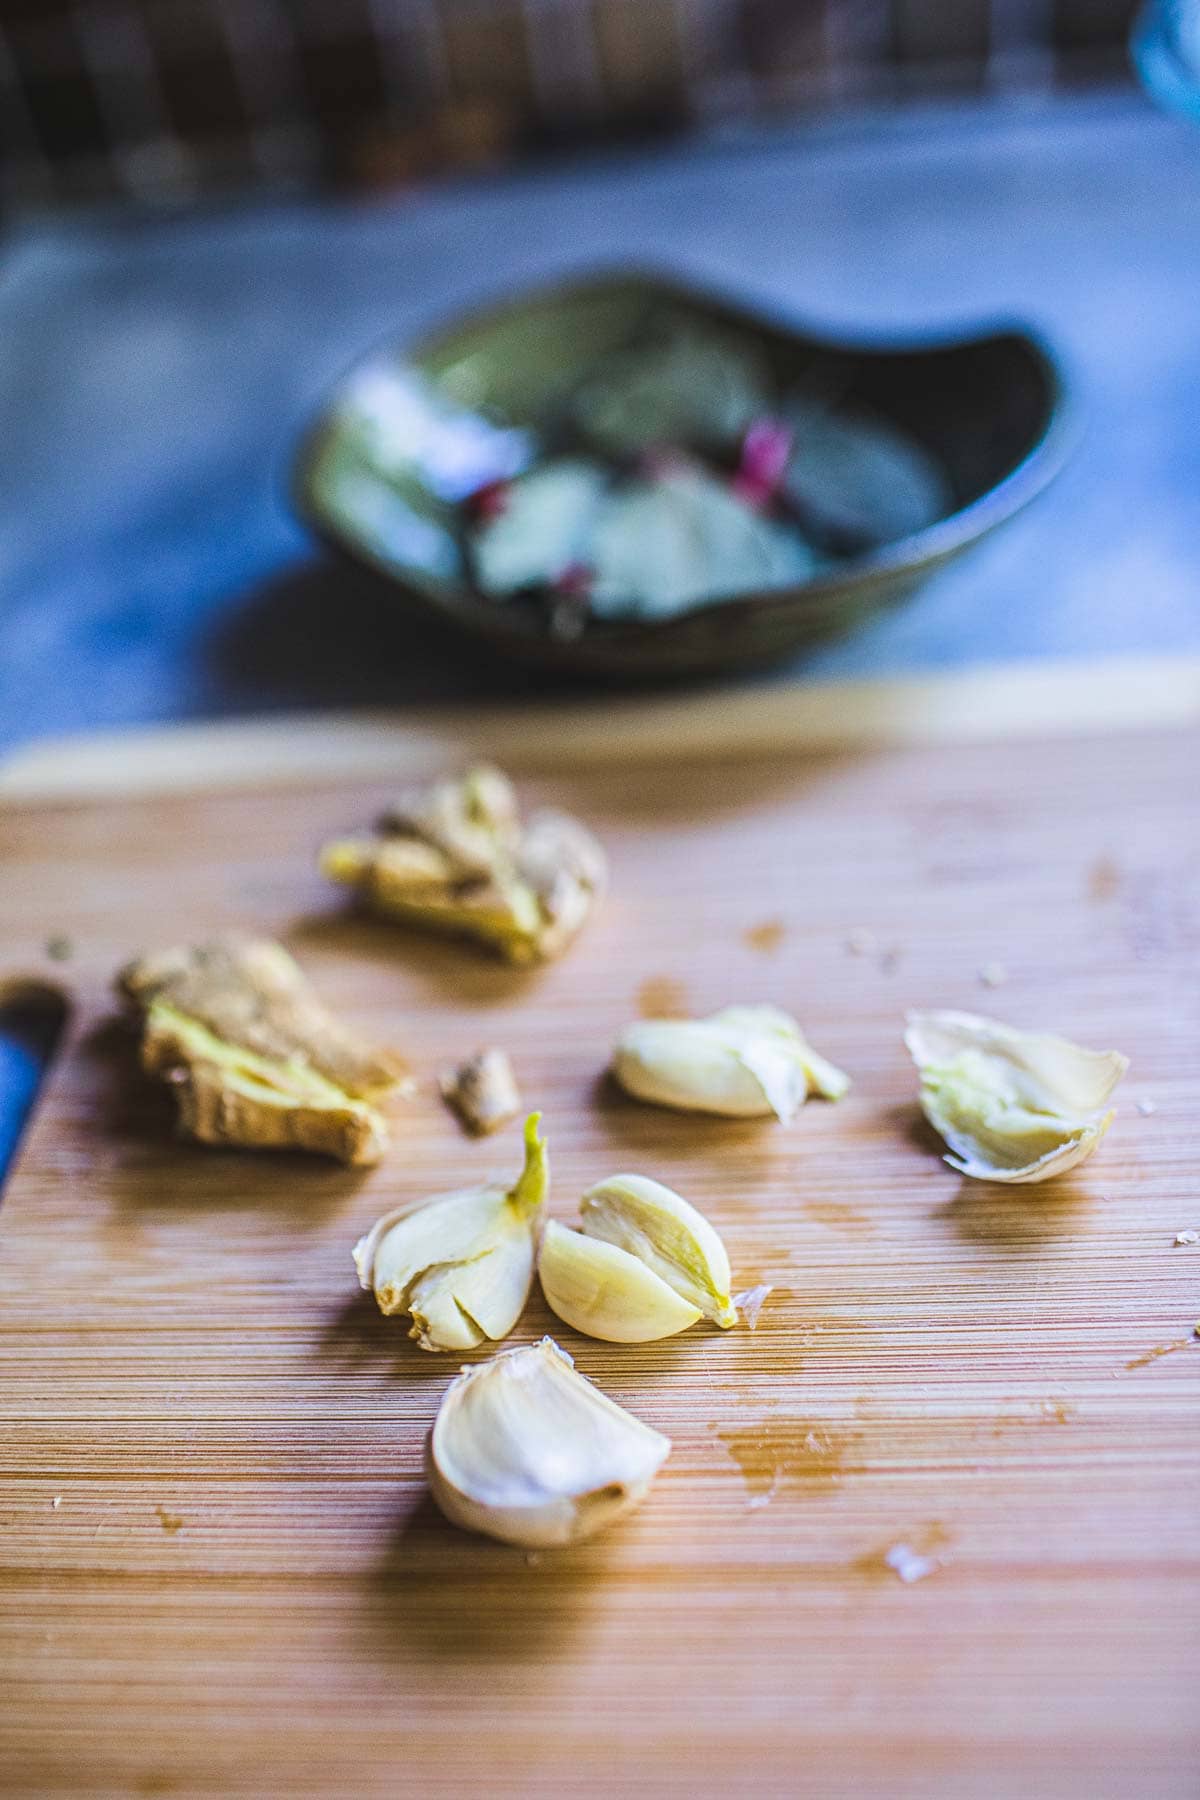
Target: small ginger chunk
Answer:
pixel 456 855
pixel 252 1055
pixel 482 1092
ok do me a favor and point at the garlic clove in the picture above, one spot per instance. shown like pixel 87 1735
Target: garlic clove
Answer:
pixel 461 1264
pixel 606 1292
pixel 525 1449
pixel 1014 1106
pixel 742 1062
pixel 770 1026
pixel 670 1062
pixel 668 1235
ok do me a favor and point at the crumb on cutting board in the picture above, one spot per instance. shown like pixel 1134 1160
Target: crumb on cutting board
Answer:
pixel 766 937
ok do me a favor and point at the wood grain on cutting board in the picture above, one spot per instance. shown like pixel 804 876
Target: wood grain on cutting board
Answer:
pixel 221 1574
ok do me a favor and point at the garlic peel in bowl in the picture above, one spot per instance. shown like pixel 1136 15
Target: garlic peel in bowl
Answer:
pixel 461 1264
pixel 1014 1106
pixel 742 1062
pixel 525 1449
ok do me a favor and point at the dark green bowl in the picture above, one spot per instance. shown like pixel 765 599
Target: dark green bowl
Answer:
pixel 987 409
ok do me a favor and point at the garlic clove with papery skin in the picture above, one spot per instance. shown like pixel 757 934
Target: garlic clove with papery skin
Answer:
pixel 742 1062
pixel 1014 1106
pixel 525 1449
pixel 461 1264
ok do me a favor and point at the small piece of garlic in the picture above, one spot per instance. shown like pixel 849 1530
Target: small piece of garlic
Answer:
pixel 525 1449
pixel 742 1062
pixel 461 1264
pixel 909 1564
pixel 750 1303
pixel 1015 1106
pixel 644 1265
pixel 483 1092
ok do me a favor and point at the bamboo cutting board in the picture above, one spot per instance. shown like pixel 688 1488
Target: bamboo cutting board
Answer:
pixel 221 1572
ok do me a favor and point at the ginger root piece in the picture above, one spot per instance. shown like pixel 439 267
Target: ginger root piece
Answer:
pixel 483 1092
pixel 455 855
pixel 254 1058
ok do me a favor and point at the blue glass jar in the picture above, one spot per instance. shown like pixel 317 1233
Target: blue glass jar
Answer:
pixel 1166 50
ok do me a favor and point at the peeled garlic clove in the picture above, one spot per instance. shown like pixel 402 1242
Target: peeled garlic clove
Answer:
pixel 743 1062
pixel 1015 1106
pixel 679 1063
pixel 462 1264
pixel 667 1235
pixel 774 1027
pixel 606 1292
pixel 526 1450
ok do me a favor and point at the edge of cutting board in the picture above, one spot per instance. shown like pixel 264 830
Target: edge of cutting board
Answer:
pixel 1042 698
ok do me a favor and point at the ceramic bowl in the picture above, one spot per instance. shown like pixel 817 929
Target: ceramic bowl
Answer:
pixel 987 409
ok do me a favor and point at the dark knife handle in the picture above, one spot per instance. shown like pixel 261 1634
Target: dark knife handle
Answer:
pixel 32 1018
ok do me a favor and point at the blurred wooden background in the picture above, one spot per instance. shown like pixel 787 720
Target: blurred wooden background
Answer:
pixel 174 99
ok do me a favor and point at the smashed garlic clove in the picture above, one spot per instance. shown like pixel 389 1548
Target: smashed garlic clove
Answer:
pixel 456 856
pixel 605 1292
pixel 461 1265
pixel 483 1092
pixel 742 1062
pixel 1015 1106
pixel 525 1449
pixel 253 1057
pixel 668 1235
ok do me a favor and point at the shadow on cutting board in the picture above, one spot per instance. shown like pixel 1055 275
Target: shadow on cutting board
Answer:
pixel 441 1592
pixel 127 1107
pixel 357 1334
pixel 1017 1218
pixel 452 968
